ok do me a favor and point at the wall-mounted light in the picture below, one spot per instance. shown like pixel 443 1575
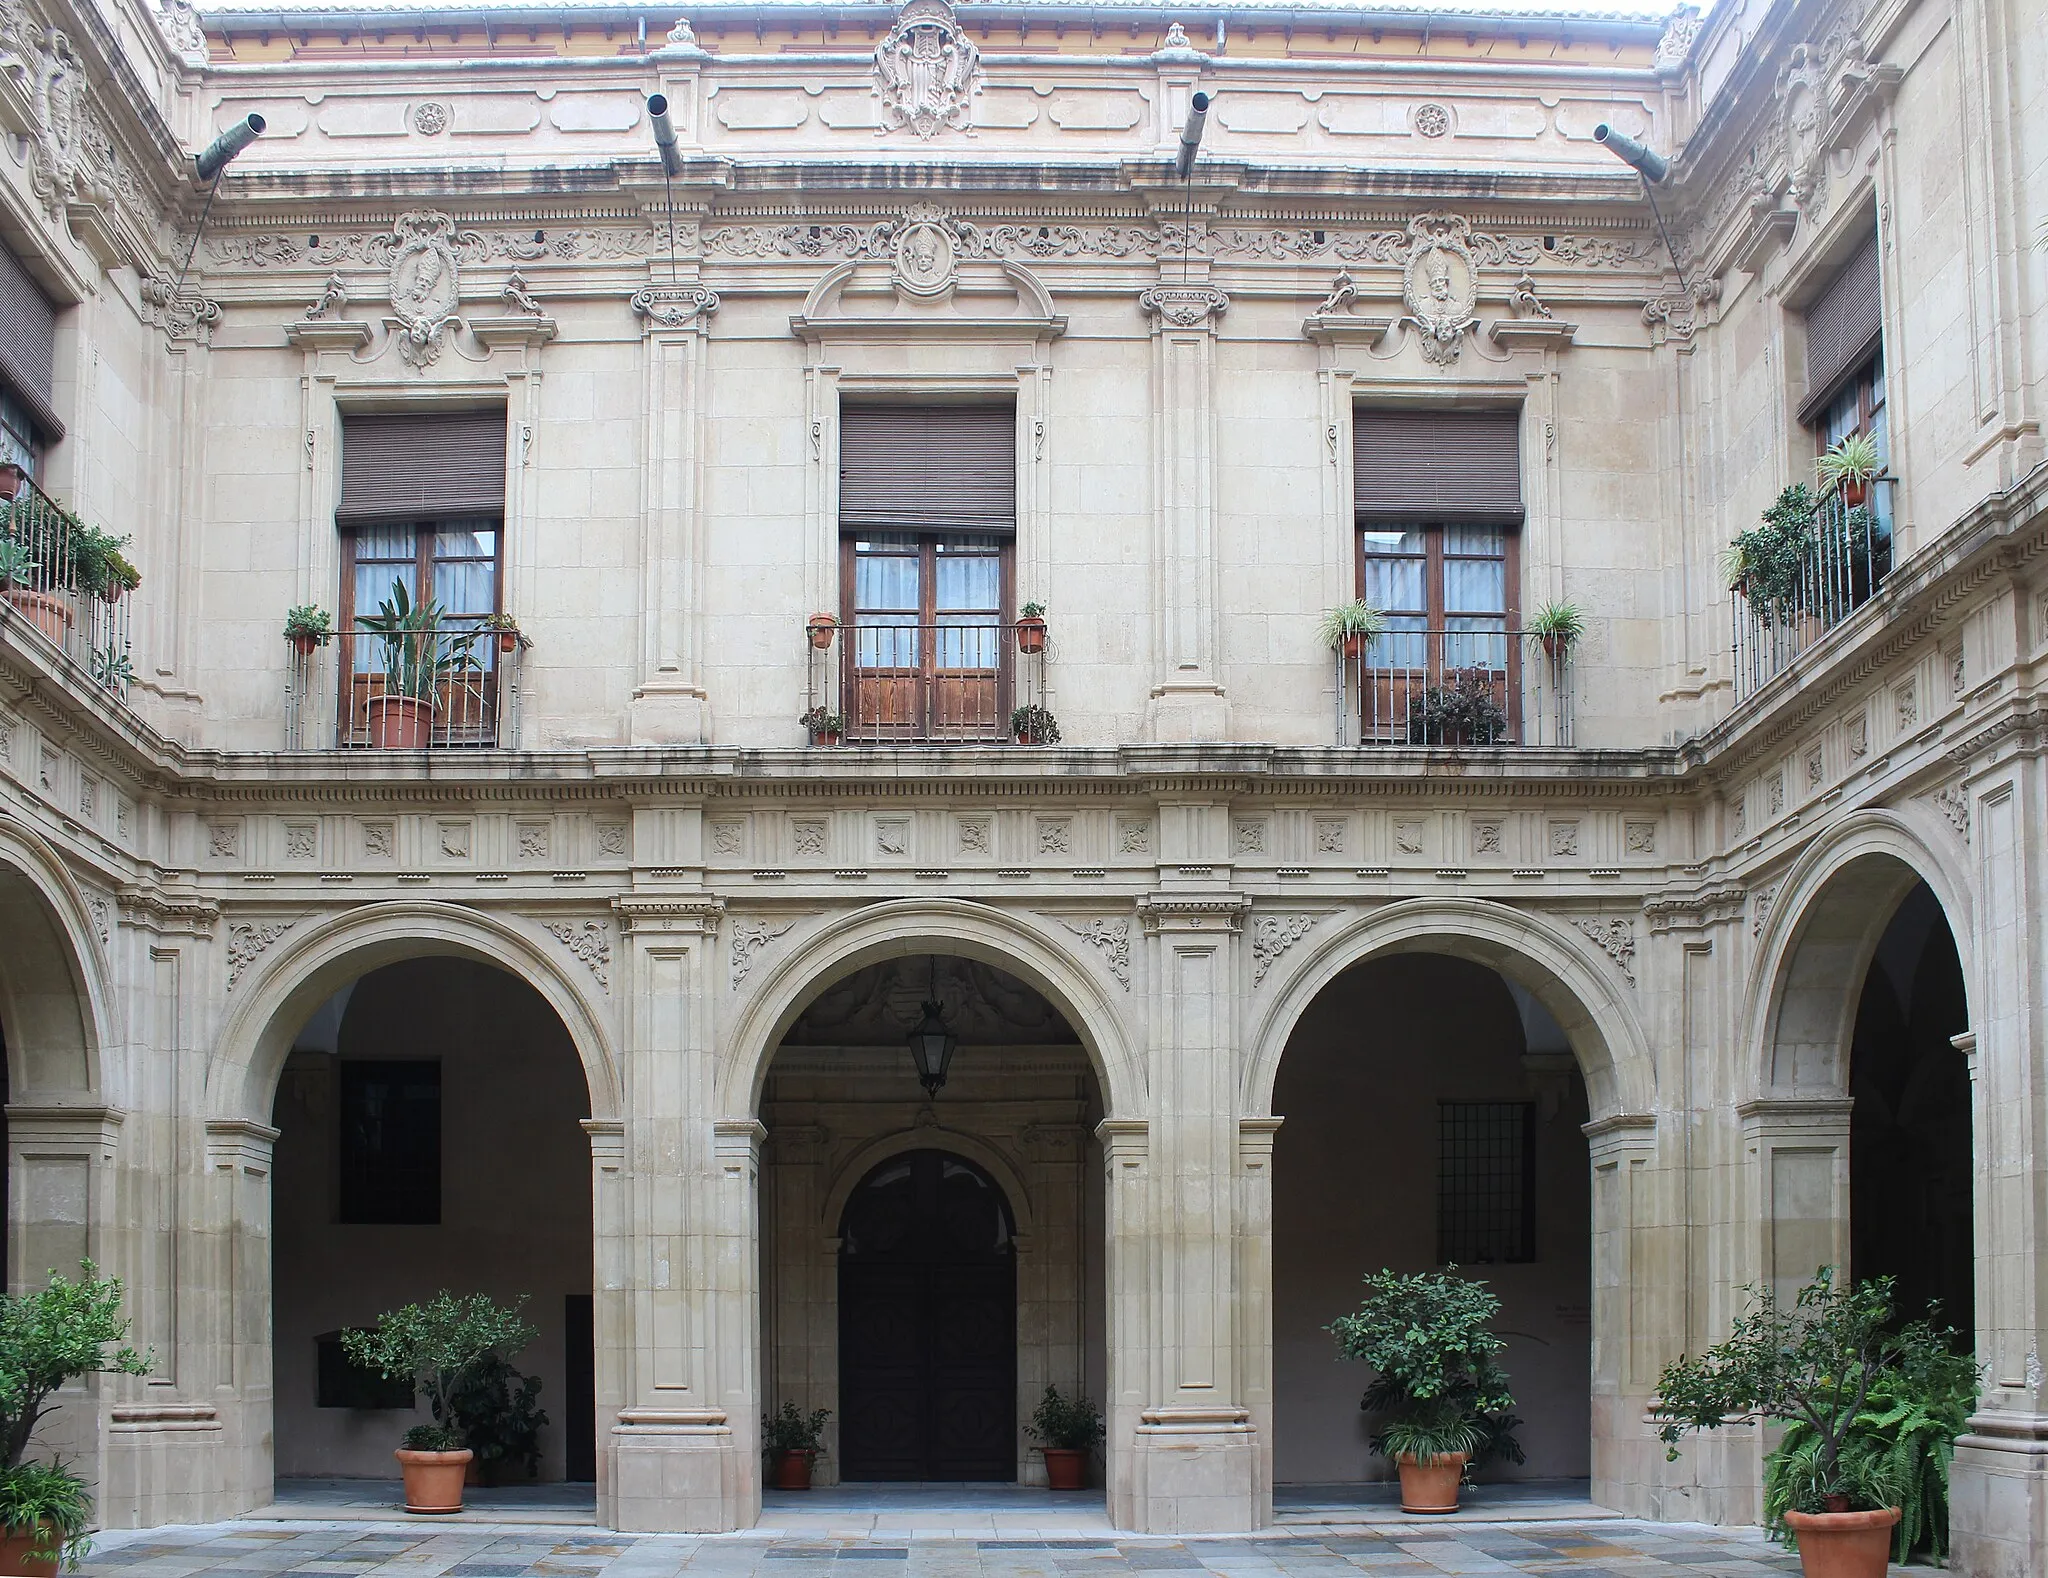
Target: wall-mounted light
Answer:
pixel 215 157
pixel 664 134
pixel 1651 165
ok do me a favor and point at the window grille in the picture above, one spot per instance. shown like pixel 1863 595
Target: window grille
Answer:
pixel 1486 1176
pixel 390 1143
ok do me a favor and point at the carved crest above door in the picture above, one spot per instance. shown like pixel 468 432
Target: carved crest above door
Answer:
pixel 927 71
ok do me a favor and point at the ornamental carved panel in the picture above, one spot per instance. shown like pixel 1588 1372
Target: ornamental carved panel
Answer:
pixel 927 72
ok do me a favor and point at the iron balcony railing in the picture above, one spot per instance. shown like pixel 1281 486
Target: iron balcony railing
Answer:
pixel 69 583
pixel 451 686
pixel 1456 687
pixel 958 681
pixel 1847 555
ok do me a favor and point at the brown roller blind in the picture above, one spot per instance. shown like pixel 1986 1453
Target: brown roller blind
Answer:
pixel 928 468
pixel 28 342
pixel 424 466
pixel 1418 466
pixel 1843 326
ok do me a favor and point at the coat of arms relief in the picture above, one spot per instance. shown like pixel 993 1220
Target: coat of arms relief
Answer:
pixel 927 72
pixel 1440 284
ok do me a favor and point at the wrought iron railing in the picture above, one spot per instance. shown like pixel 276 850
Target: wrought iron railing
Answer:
pixel 1470 687
pixel 954 682
pixel 1846 557
pixel 69 583
pixel 452 686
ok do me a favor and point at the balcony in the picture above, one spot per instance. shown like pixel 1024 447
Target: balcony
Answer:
pixel 451 685
pixel 1461 688
pixel 1788 599
pixel 949 683
pixel 69 583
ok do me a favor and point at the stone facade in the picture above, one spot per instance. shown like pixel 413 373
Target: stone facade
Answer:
pixel 1690 881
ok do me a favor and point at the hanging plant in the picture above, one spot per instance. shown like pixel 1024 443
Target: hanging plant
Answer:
pixel 1848 468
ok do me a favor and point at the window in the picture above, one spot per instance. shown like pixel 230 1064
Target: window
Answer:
pixel 453 563
pixel 928 514
pixel 342 1384
pixel 1486 1177
pixel 28 356
pixel 390 1146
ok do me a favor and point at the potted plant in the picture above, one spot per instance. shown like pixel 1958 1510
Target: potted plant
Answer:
pixel 792 1440
pixel 506 629
pixel 1872 1412
pixel 498 1411
pixel 49 1337
pixel 1768 562
pixel 98 568
pixel 1069 1429
pixel 418 657
pixel 1031 628
pixel 1438 1386
pixel 436 1346
pixel 18 565
pixel 1034 725
pixel 1459 712
pixel 825 727
pixel 820 628
pixel 1558 627
pixel 307 628
pixel 1351 627
pixel 1848 468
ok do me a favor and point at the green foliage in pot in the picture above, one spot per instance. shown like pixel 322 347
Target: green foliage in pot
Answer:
pixel 307 622
pixel 1071 1424
pixel 1439 1383
pixel 1460 712
pixel 1872 1409
pixel 1034 725
pixel 793 1430
pixel 437 1346
pixel 1559 622
pixel 56 1334
pixel 416 652
pixel 499 1414
pixel 17 563
pixel 819 721
pixel 1356 621
pixel 1852 459
pixel 1031 611
pixel 1767 563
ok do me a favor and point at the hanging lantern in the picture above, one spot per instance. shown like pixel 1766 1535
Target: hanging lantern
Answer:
pixel 931 1043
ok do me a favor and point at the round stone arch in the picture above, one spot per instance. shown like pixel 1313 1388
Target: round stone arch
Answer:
pixel 1827 918
pixel 1570 978
pixel 906 928
pixel 55 995
pixel 880 1149
pixel 311 964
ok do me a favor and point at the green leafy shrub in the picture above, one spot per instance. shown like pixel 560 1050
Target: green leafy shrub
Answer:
pixel 53 1502
pixel 792 1430
pixel 437 1345
pixel 1034 726
pixel 1461 712
pixel 1767 563
pixel 1071 1424
pixel 499 1415
pixel 1429 1337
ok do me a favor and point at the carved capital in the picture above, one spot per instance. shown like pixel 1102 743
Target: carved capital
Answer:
pixel 1185 306
pixel 673 306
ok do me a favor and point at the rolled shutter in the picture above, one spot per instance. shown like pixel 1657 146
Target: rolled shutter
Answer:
pixel 1421 466
pixel 28 342
pixel 1843 326
pixel 428 466
pixel 928 468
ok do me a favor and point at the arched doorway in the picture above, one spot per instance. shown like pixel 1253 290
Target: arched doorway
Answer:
pixel 927 1323
pixel 1432 1116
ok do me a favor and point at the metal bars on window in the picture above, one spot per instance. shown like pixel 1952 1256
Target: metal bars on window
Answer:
pixel 1486 1183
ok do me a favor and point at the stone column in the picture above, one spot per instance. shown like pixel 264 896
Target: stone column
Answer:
pixel 1622 1152
pixel 1128 1274
pixel 1195 1455
pixel 233 1315
pixel 1255 1138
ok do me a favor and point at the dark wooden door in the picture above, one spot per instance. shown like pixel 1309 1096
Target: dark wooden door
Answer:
pixel 579 1387
pixel 927 1324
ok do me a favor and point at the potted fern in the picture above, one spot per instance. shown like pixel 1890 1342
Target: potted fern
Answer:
pixel 1439 1386
pixel 1031 628
pixel 1068 1428
pixel 1350 628
pixel 1558 626
pixel 307 628
pixel 1849 467
pixel 793 1439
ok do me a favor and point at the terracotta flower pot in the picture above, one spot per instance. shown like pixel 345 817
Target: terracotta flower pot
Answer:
pixel 1843 1544
pixel 821 628
pixel 19 1557
pixel 793 1468
pixel 1031 634
pixel 508 641
pixel 433 1480
pixel 1854 491
pixel 1354 647
pixel 1066 1468
pixel 51 615
pixel 825 737
pixel 400 723
pixel 1555 647
pixel 305 646
pixel 1432 1486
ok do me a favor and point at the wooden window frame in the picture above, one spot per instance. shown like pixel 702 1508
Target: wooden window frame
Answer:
pixel 424 560
pixel 1435 617
pixel 919 728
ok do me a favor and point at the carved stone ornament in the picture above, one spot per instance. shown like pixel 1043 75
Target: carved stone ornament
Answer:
pixel 1616 939
pixel 1185 306
pixel 1440 284
pixel 591 943
pixel 182 29
pixel 518 296
pixel 1272 936
pixel 927 72
pixel 674 306
pixel 246 943
pixel 182 314
pixel 925 261
pixel 1954 804
pixel 748 938
pixel 1343 296
pixel 1113 938
pixel 333 299
pixel 1802 99
pixel 426 281
pixel 1524 301
pixel 1679 33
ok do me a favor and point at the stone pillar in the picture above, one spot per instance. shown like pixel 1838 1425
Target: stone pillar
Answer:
pixel 232 1319
pixel 1195 1455
pixel 681 1460
pixel 611 1298
pixel 1622 1152
pixel 1255 1138
pixel 1187 689
pixel 1128 1274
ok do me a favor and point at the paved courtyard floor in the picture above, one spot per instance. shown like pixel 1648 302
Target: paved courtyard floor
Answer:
pixel 324 1548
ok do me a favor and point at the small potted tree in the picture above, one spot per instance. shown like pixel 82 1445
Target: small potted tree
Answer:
pixel 1849 467
pixel 793 1439
pixel 307 628
pixel 438 1346
pixel 826 728
pixel 1872 1412
pixel 1031 628
pixel 1350 628
pixel 1068 1430
pixel 1557 628
pixel 1439 1387
pixel 821 628
pixel 1034 725
pixel 57 1334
